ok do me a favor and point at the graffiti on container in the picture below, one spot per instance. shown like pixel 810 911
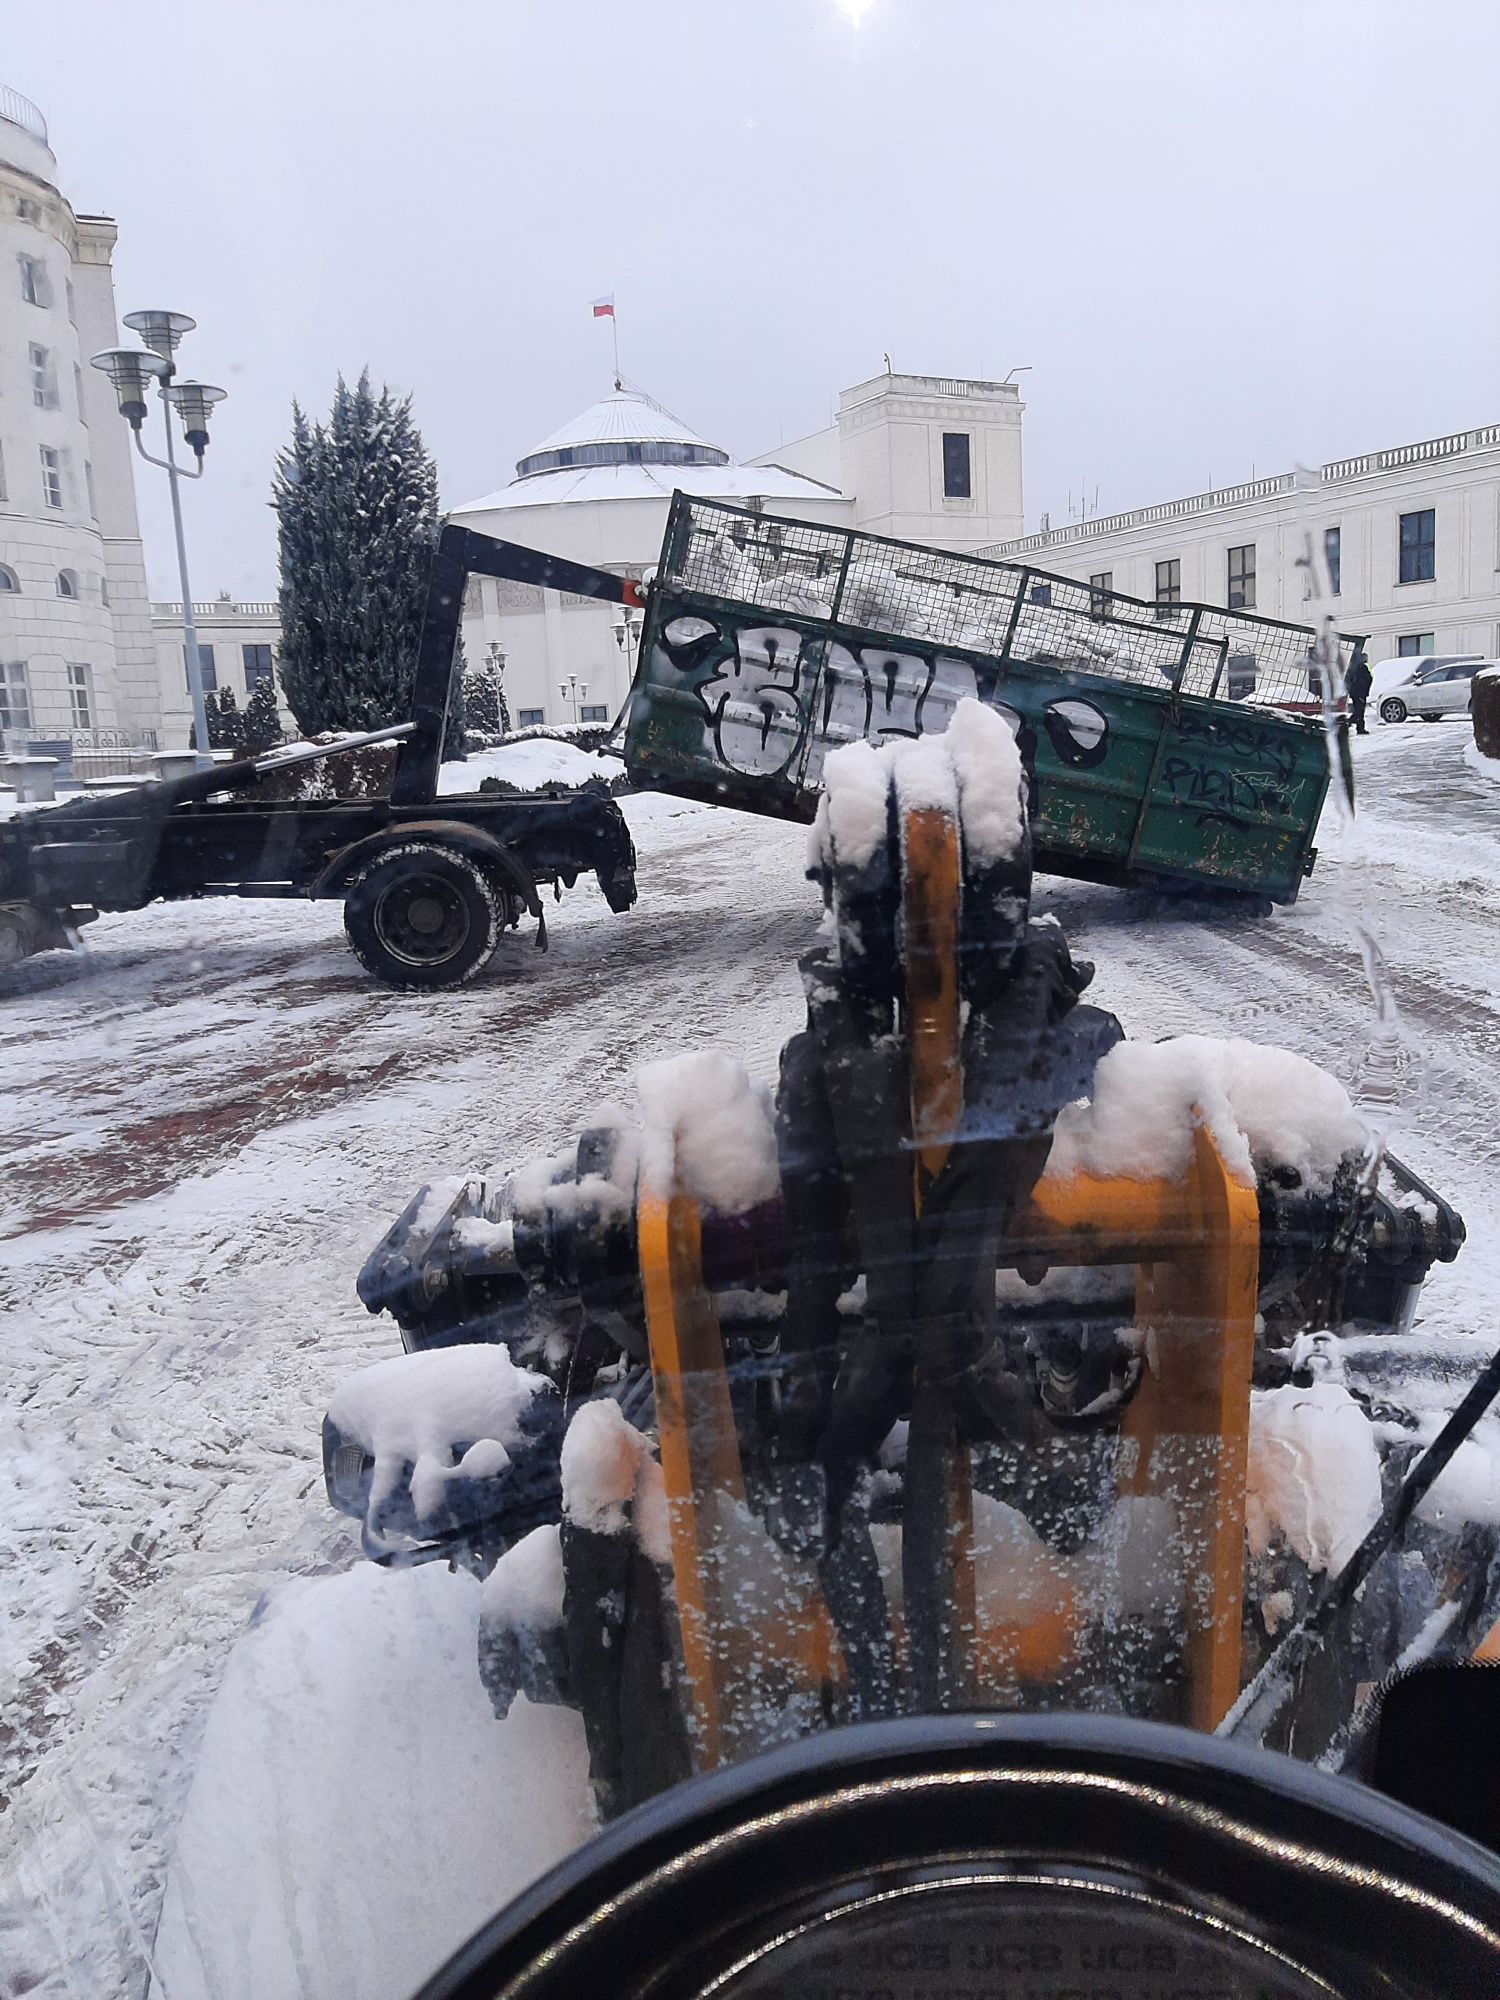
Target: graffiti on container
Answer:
pixel 774 701
pixel 774 692
pixel 1253 744
pixel 1224 794
pixel 1078 732
pixel 1264 766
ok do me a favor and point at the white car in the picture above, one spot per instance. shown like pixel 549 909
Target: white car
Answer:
pixel 1438 684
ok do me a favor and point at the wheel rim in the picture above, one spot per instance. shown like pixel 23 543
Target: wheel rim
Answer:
pixel 1393 711
pixel 423 922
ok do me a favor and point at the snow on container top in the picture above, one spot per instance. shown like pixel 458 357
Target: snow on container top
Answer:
pixel 973 604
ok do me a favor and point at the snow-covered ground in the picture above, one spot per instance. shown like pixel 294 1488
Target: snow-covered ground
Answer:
pixel 211 1114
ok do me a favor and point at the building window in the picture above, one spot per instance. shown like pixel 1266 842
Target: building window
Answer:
pixel 1169 581
pixel 205 667
pixel 1418 547
pixel 15 696
pixel 81 694
pixel 34 282
pixel 530 717
pixel 593 712
pixel 88 480
pixel 1411 644
pixel 104 590
pixel 956 484
pixel 78 389
pixel 51 476
pixel 257 661
pixel 1101 583
pixel 1241 578
pixel 2 475
pixel 28 210
pixel 8 579
pixel 42 392
pixel 67 583
pixel 72 303
pixel 1333 559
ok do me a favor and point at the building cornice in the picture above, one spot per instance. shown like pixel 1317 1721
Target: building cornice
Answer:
pixel 60 217
pixel 1399 458
pixel 217 610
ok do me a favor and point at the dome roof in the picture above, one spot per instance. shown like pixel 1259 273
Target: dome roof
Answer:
pixel 627 447
pixel 719 481
pixel 626 428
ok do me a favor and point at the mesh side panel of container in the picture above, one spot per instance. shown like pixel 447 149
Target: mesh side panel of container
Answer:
pixel 980 605
pixel 1068 624
pixel 778 565
pixel 1240 658
pixel 930 594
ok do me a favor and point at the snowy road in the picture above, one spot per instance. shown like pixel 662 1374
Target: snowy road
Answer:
pixel 212 1114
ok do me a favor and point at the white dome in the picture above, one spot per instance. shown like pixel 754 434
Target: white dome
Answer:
pixel 627 417
pixel 627 447
pixel 626 428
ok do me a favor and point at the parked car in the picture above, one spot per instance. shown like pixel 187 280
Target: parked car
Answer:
pixel 1437 684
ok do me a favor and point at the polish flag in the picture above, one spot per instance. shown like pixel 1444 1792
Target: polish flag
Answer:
pixel 605 308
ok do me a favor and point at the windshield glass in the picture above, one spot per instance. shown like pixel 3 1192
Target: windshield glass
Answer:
pixel 675 1081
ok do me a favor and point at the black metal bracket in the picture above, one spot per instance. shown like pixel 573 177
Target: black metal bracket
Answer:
pixel 460 554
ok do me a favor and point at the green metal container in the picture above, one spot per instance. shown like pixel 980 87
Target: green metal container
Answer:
pixel 1156 751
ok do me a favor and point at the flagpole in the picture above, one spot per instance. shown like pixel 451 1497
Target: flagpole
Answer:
pixel 614 327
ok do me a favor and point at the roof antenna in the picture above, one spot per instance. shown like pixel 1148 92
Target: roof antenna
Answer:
pixel 887 360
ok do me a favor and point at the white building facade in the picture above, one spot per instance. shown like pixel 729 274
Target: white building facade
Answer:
pixel 239 645
pixel 924 458
pixel 1405 544
pixel 78 672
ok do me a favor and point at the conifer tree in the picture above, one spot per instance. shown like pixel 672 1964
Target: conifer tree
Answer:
pixel 262 719
pixel 484 699
pixel 226 726
pixel 356 507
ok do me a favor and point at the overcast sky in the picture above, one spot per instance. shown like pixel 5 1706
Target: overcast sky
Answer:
pixel 1226 236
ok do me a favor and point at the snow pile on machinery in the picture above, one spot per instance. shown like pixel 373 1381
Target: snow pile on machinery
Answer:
pixel 995 1361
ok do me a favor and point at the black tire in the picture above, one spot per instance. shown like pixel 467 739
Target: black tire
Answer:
pixel 1393 709
pixel 1433 718
pixel 421 917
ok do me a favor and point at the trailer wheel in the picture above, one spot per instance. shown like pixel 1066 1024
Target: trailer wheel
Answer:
pixel 421 916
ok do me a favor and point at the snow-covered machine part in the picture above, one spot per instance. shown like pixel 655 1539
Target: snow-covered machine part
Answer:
pixel 996 1361
pixel 429 1446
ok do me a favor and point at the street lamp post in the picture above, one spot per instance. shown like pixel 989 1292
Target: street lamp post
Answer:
pixel 628 637
pixel 496 664
pixel 132 371
pixel 576 692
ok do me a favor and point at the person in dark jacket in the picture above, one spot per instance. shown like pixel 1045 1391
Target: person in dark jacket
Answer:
pixel 1358 685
